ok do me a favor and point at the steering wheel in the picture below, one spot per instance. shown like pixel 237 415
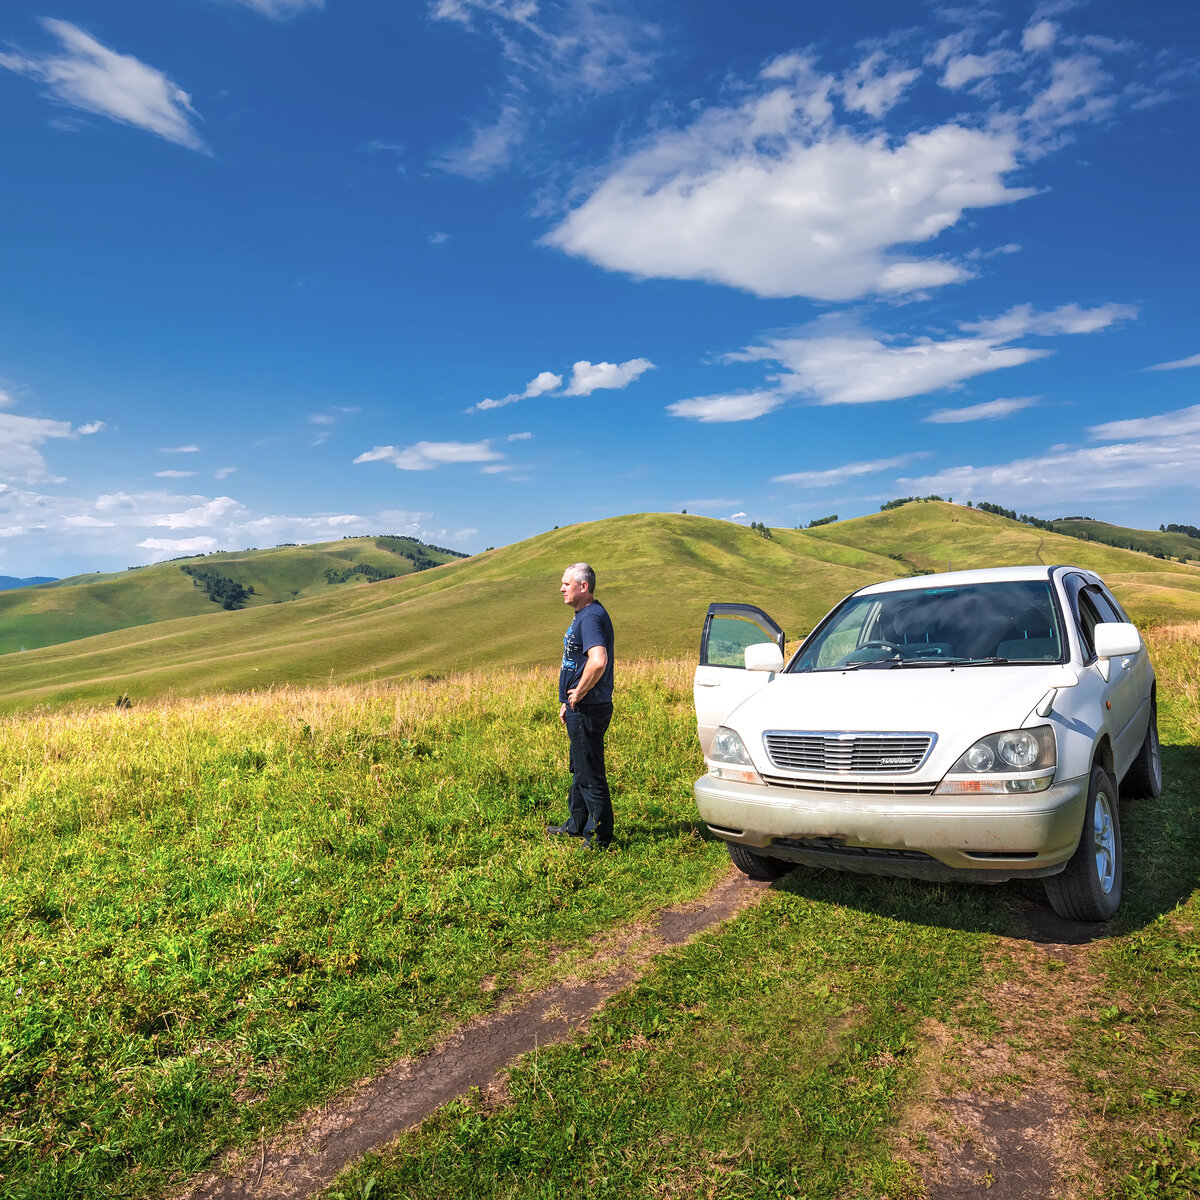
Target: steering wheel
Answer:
pixel 886 646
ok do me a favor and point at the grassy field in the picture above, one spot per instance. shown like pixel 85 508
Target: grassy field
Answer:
pixel 217 912
pixel 657 572
pixel 86 605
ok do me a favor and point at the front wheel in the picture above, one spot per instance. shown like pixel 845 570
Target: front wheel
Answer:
pixel 1144 779
pixel 757 866
pixel 1089 889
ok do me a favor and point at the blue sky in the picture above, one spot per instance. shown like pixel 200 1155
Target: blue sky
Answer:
pixel 288 270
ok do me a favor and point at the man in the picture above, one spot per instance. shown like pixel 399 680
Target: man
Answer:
pixel 585 684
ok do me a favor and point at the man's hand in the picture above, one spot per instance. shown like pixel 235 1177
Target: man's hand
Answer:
pixel 597 660
pixel 562 713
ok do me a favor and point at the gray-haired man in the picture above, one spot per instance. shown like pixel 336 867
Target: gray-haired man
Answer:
pixel 585 686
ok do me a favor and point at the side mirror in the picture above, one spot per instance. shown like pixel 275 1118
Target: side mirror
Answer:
pixel 1115 639
pixel 764 656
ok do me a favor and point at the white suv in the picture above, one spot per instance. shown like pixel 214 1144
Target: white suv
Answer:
pixel 970 725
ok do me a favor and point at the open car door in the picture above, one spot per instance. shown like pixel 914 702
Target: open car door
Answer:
pixel 722 681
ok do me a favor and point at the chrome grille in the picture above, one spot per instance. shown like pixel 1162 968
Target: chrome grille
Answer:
pixel 860 787
pixel 893 753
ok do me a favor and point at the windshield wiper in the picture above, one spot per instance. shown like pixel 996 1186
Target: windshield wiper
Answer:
pixel 976 662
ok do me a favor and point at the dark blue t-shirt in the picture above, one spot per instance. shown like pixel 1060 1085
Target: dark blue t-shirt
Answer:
pixel 591 627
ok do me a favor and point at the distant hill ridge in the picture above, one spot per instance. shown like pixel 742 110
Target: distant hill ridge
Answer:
pixel 65 610
pixel 500 609
pixel 8 582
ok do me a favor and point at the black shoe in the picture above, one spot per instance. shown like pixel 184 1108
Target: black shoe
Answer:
pixel 591 842
pixel 557 830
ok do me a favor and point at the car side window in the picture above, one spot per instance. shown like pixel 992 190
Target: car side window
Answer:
pixel 1089 618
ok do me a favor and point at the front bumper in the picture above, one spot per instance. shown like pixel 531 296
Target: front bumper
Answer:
pixel 987 838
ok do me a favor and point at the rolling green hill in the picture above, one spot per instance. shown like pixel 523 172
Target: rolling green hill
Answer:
pixel 85 605
pixel 657 575
pixel 1149 541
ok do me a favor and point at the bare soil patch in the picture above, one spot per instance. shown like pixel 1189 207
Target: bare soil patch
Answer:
pixel 998 1118
pixel 306 1156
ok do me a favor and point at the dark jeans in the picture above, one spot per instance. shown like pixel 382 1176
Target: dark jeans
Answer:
pixel 590 805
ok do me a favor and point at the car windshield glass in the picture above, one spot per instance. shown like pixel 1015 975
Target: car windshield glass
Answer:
pixel 1011 622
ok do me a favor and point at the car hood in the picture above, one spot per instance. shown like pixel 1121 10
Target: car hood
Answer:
pixel 967 701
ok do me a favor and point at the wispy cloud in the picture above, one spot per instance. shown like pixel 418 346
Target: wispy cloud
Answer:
pixel 425 456
pixel 1147 455
pixel 191 448
pixel 20 439
pixel 173 474
pixel 1182 423
pixel 549 52
pixel 280 10
pixel 539 385
pixel 1178 365
pixel 834 361
pixel 838 475
pixel 87 75
pixel 727 406
pixel 586 378
pixel 990 410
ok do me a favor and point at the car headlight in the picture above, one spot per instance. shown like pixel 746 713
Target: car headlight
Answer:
pixel 728 748
pixel 1016 760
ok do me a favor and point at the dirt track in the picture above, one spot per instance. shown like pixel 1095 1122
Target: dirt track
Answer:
pixel 306 1156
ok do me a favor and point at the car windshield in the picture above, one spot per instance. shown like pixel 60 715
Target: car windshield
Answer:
pixel 979 623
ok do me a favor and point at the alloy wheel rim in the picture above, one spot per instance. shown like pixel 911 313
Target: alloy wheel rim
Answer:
pixel 1104 841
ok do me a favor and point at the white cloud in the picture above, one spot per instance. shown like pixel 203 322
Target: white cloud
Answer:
pixel 206 513
pixel 519 437
pixel 322 419
pixel 1039 35
pixel 1178 365
pixel 1183 423
pixel 20 437
pixel 223 472
pixel 539 385
pixel 1073 476
pixel 176 547
pixel 425 456
pixel 174 474
pixel 91 427
pixel 838 475
pixel 874 87
pixel 280 10
pixel 490 147
pixel 817 183
pixel 991 410
pixel 773 197
pixel 858 368
pixel 833 361
pixel 730 406
pixel 587 377
pixel 189 449
pixel 89 76
pixel 970 68
pixel 1022 321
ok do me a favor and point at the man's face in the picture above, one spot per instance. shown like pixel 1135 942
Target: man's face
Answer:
pixel 572 590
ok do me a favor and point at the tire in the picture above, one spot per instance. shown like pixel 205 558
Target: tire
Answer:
pixel 757 866
pixel 1089 889
pixel 1144 779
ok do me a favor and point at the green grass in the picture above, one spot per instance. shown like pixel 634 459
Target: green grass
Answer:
pixel 657 575
pixel 762 1060
pixel 87 605
pixel 215 914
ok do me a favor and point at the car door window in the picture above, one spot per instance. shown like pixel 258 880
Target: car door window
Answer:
pixel 1089 618
pixel 729 629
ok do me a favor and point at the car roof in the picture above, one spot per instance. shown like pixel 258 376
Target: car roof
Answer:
pixel 960 578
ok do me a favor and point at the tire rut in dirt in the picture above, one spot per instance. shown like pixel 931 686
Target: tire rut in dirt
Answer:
pixel 306 1156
